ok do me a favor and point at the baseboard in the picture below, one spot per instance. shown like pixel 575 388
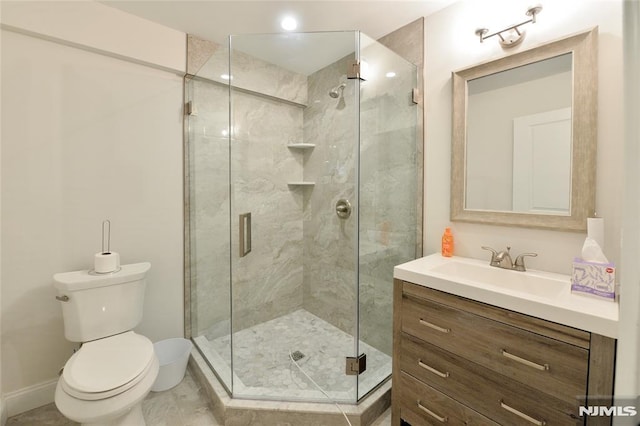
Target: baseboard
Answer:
pixel 29 398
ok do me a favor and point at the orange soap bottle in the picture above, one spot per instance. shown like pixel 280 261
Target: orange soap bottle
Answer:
pixel 447 243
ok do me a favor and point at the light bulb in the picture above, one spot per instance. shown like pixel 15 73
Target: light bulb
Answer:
pixel 289 23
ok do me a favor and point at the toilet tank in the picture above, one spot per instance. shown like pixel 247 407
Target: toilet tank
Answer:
pixel 100 305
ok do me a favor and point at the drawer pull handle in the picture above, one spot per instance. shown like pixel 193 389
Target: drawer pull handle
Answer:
pixel 432 414
pixel 541 367
pixel 435 327
pixel 522 415
pixel 433 370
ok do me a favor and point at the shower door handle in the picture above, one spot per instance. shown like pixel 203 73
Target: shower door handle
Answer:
pixel 245 234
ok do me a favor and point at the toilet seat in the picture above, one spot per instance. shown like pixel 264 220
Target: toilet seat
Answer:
pixel 108 410
pixel 107 367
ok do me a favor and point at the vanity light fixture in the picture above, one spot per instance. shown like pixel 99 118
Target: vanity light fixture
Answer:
pixel 513 35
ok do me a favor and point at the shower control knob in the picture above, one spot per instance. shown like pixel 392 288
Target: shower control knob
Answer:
pixel 343 208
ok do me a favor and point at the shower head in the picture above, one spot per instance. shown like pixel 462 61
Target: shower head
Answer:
pixel 337 91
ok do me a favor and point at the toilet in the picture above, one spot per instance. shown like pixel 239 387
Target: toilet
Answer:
pixel 105 381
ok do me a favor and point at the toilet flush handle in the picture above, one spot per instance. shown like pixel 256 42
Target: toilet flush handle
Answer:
pixel 64 298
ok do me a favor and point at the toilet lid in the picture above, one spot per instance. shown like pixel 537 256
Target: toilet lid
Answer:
pixel 107 364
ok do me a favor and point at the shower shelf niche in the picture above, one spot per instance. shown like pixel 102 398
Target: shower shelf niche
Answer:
pixel 301 145
pixel 301 183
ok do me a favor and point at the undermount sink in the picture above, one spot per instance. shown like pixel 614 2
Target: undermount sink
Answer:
pixel 528 282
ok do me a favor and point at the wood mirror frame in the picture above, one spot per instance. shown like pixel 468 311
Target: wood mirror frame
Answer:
pixel 584 48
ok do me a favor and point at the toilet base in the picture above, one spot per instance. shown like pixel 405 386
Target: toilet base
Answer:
pixel 133 418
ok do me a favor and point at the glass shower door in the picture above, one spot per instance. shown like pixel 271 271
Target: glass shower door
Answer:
pixel 207 151
pixel 387 199
pixel 293 156
pixel 302 188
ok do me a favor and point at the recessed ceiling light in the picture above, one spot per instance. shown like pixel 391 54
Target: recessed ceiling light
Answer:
pixel 226 77
pixel 289 23
pixel 390 74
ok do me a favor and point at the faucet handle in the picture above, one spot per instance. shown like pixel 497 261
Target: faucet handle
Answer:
pixel 519 263
pixel 494 254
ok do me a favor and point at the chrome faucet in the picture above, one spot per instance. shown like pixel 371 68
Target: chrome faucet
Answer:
pixel 519 263
pixel 494 254
pixel 503 259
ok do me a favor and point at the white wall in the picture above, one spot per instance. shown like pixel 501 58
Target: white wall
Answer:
pixel 452 45
pixel 628 371
pixel 88 133
pixel 87 24
pixel 3 411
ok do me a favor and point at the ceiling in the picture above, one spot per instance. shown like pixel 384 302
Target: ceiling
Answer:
pixel 213 20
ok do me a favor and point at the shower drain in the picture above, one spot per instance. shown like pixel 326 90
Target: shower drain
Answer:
pixel 297 355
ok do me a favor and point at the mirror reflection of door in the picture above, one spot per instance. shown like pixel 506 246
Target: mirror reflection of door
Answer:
pixel 518 143
pixel 541 153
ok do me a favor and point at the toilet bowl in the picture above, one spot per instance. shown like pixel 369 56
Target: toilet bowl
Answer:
pixel 105 382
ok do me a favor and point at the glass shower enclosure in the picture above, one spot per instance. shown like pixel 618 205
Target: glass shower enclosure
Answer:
pixel 301 158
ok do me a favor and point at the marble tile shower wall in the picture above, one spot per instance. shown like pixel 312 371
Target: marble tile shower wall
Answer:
pixel 388 175
pixel 329 242
pixel 268 282
pixel 253 74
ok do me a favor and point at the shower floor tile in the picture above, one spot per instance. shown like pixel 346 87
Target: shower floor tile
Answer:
pixel 263 369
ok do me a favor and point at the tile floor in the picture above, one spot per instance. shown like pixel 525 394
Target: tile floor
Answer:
pixel 263 367
pixel 184 405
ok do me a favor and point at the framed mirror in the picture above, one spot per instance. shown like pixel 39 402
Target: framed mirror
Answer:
pixel 524 137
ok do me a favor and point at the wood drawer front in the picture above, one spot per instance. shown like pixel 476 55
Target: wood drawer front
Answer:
pixel 536 325
pixel 546 364
pixel 421 404
pixel 483 390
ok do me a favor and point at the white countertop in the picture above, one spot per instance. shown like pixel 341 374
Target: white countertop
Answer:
pixel 540 294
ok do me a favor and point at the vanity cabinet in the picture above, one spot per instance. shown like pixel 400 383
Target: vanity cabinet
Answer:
pixel 461 362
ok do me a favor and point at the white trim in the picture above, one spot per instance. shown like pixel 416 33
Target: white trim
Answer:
pixel 100 27
pixel 91 49
pixel 29 398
